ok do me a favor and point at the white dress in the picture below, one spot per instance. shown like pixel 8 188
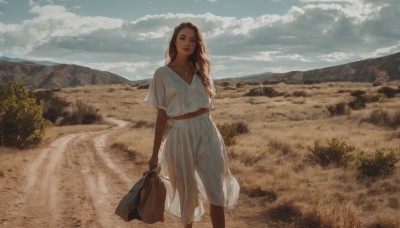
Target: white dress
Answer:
pixel 193 155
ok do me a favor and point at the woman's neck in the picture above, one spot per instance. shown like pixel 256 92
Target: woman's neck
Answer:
pixel 181 60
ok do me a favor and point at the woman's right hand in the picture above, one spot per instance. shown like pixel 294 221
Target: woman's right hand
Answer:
pixel 153 162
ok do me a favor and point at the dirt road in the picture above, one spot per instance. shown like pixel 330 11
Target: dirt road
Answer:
pixel 76 182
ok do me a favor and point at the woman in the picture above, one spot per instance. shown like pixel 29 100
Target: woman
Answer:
pixel 193 156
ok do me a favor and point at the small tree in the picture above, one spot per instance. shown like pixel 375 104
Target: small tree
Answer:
pixel 21 121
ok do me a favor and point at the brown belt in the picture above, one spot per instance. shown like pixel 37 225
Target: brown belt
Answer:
pixel 191 114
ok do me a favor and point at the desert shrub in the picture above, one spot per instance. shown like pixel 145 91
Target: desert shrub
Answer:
pixel 239 85
pixel 388 91
pixel 384 118
pixel 382 222
pixel 82 113
pixel 300 94
pixel 224 84
pixel 241 127
pixel 252 83
pixel 263 91
pixel 229 131
pixel 343 91
pixel 143 124
pixel 129 154
pixel 357 93
pixel 285 212
pixel 336 152
pixel 143 86
pixel 381 163
pixel 357 104
pixel 54 107
pixel 270 82
pixel 376 83
pixel 379 117
pixel 278 145
pixel 371 98
pixel 21 122
pixel 338 109
pixel 312 219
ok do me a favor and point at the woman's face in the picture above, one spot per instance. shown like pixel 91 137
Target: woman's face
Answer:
pixel 186 41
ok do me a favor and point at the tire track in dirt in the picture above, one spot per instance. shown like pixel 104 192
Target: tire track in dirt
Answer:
pixel 60 190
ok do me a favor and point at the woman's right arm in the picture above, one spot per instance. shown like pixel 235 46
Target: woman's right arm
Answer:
pixel 161 123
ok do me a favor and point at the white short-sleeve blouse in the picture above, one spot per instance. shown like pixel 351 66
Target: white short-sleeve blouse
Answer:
pixel 170 92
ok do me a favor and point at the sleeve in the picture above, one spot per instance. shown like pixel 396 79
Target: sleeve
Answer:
pixel 156 95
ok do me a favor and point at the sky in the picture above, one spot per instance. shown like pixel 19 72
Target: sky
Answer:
pixel 243 37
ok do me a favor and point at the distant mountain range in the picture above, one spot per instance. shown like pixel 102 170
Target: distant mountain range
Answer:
pixel 386 68
pixel 18 60
pixel 55 76
pixel 49 75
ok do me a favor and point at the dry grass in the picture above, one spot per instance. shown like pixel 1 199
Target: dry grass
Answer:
pixel 10 160
pixel 271 161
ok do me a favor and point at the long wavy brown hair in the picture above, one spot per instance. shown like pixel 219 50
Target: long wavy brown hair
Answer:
pixel 199 59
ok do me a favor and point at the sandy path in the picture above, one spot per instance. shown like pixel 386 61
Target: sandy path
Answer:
pixel 75 182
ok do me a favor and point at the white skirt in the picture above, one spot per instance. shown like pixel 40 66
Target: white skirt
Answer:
pixel 194 160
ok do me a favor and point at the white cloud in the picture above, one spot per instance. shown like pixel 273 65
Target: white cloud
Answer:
pixel 315 34
pixel 336 56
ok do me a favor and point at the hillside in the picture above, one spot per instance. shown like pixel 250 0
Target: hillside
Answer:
pixel 386 68
pixel 54 77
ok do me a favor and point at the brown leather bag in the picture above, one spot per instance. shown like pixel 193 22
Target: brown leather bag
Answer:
pixel 152 200
pixel 145 200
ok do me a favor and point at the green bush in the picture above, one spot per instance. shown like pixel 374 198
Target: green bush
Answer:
pixel 336 152
pixel 338 109
pixel 229 131
pixel 381 163
pixel 21 121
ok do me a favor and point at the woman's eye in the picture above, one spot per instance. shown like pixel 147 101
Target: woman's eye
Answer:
pixel 181 38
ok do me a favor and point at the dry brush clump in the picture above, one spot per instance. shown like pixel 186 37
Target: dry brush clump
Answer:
pixel 336 152
pixel 388 91
pixel 263 91
pixel 381 163
pixel 130 154
pixel 230 131
pixel 82 113
pixel 285 211
pixel 313 219
pixel 385 118
pixel 338 109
